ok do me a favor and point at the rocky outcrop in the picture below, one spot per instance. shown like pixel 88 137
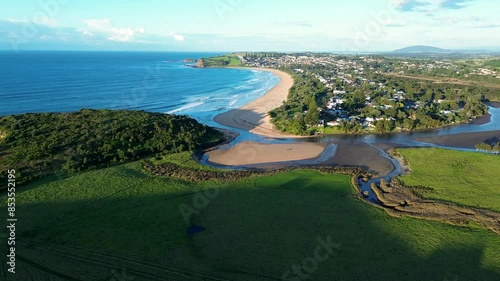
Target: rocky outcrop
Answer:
pixel 200 63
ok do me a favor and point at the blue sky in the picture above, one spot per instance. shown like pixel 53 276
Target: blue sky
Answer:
pixel 248 25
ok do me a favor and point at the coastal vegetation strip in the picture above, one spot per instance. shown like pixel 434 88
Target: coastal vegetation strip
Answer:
pixel 59 143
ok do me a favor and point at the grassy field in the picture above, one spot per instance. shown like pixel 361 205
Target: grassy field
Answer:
pixel 469 179
pixel 254 229
pixel 495 63
pixel 223 61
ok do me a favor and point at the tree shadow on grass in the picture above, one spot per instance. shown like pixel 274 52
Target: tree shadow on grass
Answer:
pixel 254 234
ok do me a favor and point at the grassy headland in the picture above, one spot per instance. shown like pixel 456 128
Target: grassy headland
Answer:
pixel 230 60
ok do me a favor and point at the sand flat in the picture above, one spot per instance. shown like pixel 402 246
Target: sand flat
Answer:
pixel 463 140
pixel 252 153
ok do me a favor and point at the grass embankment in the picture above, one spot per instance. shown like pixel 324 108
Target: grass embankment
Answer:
pixel 468 179
pixel 255 229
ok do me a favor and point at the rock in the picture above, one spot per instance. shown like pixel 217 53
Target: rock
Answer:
pixel 200 64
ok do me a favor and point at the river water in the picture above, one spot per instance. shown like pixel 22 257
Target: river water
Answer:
pixel 394 139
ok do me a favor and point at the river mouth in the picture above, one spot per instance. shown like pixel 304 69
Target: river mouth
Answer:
pixel 386 167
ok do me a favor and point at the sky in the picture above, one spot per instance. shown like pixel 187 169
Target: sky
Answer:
pixel 248 25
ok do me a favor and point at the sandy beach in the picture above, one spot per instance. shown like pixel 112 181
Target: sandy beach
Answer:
pixel 251 153
pixel 254 116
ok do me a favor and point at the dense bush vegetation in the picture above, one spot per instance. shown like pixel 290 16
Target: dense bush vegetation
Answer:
pixel 202 175
pixel 43 143
pixel 305 95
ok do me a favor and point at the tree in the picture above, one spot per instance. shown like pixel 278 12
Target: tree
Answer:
pixel 298 126
pixel 312 116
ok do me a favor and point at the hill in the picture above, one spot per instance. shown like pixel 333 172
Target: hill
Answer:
pixel 421 49
pixel 40 144
pixel 231 60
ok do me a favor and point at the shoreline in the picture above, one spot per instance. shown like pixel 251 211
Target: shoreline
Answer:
pixel 254 116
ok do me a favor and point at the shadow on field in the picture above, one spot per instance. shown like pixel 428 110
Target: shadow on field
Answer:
pixel 251 233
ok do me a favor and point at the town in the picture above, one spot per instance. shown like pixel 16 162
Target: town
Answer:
pixel 357 94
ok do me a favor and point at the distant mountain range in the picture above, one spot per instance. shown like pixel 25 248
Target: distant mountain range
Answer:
pixel 422 49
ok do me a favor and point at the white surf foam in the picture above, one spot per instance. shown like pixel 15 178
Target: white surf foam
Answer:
pixel 187 106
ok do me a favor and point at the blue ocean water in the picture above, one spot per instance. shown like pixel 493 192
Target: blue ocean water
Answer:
pixel 156 82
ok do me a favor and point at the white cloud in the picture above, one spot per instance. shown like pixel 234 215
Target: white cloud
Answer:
pixel 51 22
pixel 16 20
pixel 42 20
pixel 409 5
pixel 86 33
pixel 106 27
pixel 177 37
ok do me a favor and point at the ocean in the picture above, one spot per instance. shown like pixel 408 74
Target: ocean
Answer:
pixel 156 82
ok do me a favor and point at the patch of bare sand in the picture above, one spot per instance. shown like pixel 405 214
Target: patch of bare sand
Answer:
pixel 251 153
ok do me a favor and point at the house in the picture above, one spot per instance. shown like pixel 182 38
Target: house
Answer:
pixel 333 123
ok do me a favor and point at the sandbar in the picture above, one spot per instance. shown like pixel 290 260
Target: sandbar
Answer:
pixel 252 153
